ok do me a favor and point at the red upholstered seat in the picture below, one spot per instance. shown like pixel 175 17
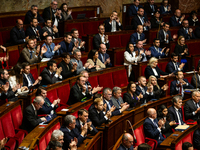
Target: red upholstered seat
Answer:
pixel 6 36
pixel 114 41
pixel 189 79
pixel 52 95
pixel 11 144
pixel 194 48
pixel 48 136
pixel 142 70
pixel 34 72
pixel 196 60
pixel 42 143
pixel 1 131
pixel 188 138
pixel 179 145
pixel 13 57
pixel 36 147
pixel 56 126
pixel 1 39
pixel 17 117
pixel 42 68
pixel 125 39
pixel 106 80
pixel 120 78
pixel 93 81
pixel 90 27
pixel 162 65
pixel 84 59
pixel 119 57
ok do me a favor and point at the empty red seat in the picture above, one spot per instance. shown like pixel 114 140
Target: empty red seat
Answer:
pixel 125 39
pixel 56 126
pixel 194 48
pixel 6 36
pixel 93 81
pixel 52 95
pixel 120 78
pixel 106 80
pixel 114 41
pixel 34 72
pixel 119 57
pixel 17 116
pixel 142 70
pixel 13 57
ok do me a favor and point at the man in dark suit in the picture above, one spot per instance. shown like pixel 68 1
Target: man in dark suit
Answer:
pixel 53 13
pixel 152 127
pixel 30 117
pixel 48 107
pixel 177 86
pixel 185 31
pixel 174 66
pixel 196 136
pixel 113 24
pixel 98 114
pixel 58 136
pixel 175 111
pixel 51 74
pixel 192 107
pixel 164 35
pixel 127 142
pixel 132 10
pixel 83 119
pixel 141 19
pixel 158 52
pixel 150 7
pixel 28 79
pixel 76 40
pixel 6 92
pixel 165 8
pixel 101 38
pixel 52 31
pixel 35 30
pixel 195 78
pixel 107 94
pixel 141 88
pixel 67 45
pixel 70 132
pixel 177 19
pixel 17 34
pixel 33 13
pixel 146 54
pixel 69 69
pixel 78 92
pixel 30 54
pixel 103 56
pixel 139 35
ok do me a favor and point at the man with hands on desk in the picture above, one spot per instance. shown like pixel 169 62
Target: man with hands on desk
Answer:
pixel 70 132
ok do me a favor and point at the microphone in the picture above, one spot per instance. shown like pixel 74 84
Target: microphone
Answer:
pixel 195 75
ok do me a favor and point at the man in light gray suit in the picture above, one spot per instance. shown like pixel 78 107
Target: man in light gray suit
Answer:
pixel 77 59
pixel 77 41
pixel 116 98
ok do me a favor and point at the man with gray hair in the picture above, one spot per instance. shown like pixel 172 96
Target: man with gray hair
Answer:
pixel 192 107
pixel 77 59
pixel 175 111
pixel 117 99
pixel 33 13
pixel 58 136
pixel 30 117
pixel 127 142
pixel 70 133
pixel 107 94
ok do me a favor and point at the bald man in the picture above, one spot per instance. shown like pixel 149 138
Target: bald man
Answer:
pixel 152 127
pixel 127 142
pixel 177 19
pixel 17 34
pixel 139 35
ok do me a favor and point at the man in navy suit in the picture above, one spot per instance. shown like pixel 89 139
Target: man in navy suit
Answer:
pixel 164 35
pixel 141 89
pixel 158 52
pixel 132 10
pixel 196 136
pixel 141 19
pixel 70 132
pixel 165 8
pixel 152 127
pixel 113 24
pixel 52 49
pixel 28 79
pixel 150 7
pixel 177 19
pixel 67 45
pixel 185 31
pixel 17 34
pixel 107 94
pixel 35 30
pixel 75 39
pixel 127 142
pixel 83 119
pixel 139 35
pixel 175 111
pixel 33 13
pixel 173 66
pixel 103 56
pixel 48 107
pixel 177 86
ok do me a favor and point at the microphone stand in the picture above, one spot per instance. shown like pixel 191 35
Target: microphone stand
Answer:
pixel 195 75
pixel 135 140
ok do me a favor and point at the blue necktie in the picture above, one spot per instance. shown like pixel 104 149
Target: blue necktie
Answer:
pixel 180 117
pixel 31 54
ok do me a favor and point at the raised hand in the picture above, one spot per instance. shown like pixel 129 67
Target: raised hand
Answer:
pixel 43 50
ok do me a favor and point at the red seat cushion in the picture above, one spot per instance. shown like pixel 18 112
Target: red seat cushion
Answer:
pixel 63 93
pixel 1 131
pixel 42 143
pixel 84 59
pixel 179 145
pixel 106 80
pixel 11 144
pixel 7 125
pixel 139 133
pixel 17 117
pixel 90 27
pixel 152 144
pixel 119 57
pixel 114 41
pixel 34 73
pixel 52 95
pixel 48 136
pixel 13 57
pixel 20 136
pixel 125 39
pixel 188 138
pixel 1 23
pixel 120 78
pixel 93 81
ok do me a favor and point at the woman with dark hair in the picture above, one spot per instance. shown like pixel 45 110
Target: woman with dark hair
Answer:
pixel 156 20
pixel 162 113
pixel 130 57
pixel 130 97
pixel 94 61
pixel 16 80
pixel 192 19
pixel 65 12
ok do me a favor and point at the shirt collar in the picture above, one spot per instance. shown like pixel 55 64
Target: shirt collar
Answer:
pixel 33 107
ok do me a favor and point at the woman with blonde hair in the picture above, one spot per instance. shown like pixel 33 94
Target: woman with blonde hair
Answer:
pixel 152 69
pixel 158 92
